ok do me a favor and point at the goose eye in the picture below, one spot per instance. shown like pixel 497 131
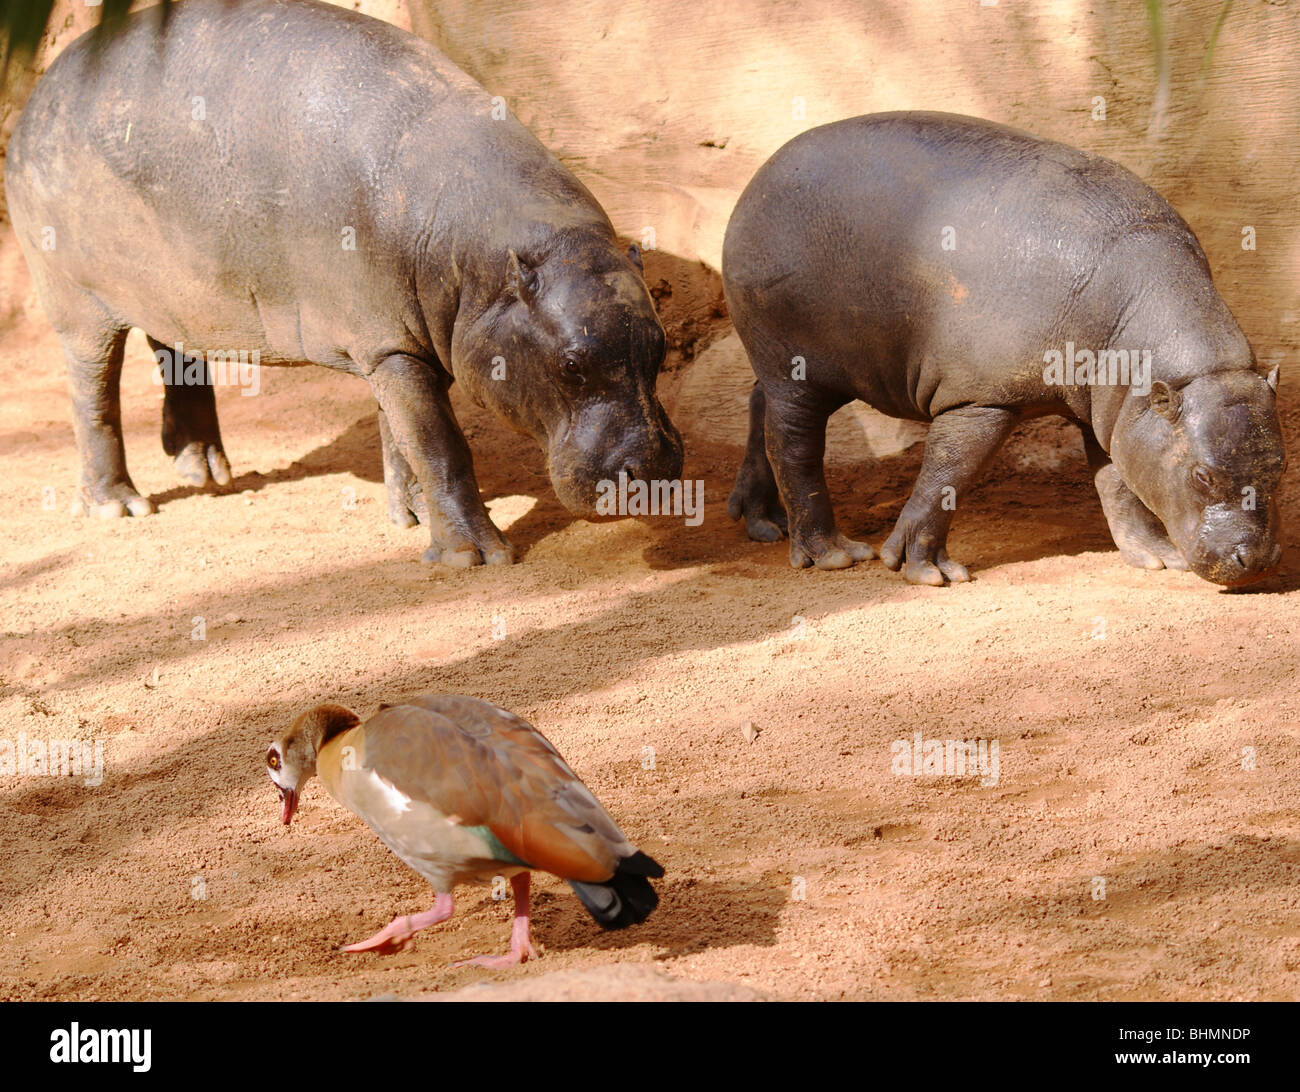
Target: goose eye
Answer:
pixel 273 760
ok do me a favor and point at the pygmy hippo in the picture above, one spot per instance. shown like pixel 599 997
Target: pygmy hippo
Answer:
pixel 312 185
pixel 951 270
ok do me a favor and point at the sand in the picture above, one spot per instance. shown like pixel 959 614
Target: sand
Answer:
pixel 1145 722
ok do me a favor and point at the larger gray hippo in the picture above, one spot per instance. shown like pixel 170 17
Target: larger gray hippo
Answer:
pixel 313 185
pixel 951 270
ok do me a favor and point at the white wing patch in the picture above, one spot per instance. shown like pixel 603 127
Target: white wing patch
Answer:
pixel 389 793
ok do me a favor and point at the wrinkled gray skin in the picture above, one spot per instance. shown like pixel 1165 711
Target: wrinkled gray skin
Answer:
pixel 834 254
pixel 201 181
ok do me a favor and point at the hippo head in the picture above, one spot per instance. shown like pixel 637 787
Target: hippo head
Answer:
pixel 1206 457
pixel 570 352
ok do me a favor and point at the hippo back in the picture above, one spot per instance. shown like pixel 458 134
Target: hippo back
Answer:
pixel 279 168
pixel 941 239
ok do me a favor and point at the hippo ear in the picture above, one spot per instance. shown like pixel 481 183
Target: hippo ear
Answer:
pixel 634 252
pixel 1272 377
pixel 1165 400
pixel 521 279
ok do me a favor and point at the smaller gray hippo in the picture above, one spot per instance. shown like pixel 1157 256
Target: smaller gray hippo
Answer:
pixel 308 184
pixel 952 270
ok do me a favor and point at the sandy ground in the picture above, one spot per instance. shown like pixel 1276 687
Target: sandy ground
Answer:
pixel 1126 706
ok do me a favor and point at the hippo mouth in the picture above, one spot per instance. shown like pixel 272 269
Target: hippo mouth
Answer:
pixel 1246 561
pixel 1240 567
pixel 579 499
pixel 585 477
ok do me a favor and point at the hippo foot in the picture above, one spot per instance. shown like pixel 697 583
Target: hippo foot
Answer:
pixel 1135 529
pixel 830 552
pixel 1140 536
pixel 1147 550
pixel 406 506
pixel 922 558
pixel 201 464
pixel 465 557
pixel 115 502
pixel 755 498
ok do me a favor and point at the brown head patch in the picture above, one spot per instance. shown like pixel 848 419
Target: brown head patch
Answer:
pixel 324 722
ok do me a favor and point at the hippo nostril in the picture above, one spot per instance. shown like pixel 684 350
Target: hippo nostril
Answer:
pixel 1256 558
pixel 632 472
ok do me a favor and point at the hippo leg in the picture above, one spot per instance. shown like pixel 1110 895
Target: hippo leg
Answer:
pixel 960 444
pixel 406 505
pixel 418 416
pixel 1137 531
pixel 755 495
pixel 796 443
pixel 94 380
pixel 190 433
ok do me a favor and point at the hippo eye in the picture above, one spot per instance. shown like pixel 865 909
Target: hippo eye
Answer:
pixel 1202 476
pixel 572 370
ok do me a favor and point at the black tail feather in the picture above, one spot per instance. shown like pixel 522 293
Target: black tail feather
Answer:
pixel 639 864
pixel 624 899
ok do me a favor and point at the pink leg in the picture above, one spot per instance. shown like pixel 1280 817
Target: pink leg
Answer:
pixel 521 948
pixel 397 934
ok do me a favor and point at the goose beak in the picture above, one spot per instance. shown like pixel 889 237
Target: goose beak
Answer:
pixel 288 804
